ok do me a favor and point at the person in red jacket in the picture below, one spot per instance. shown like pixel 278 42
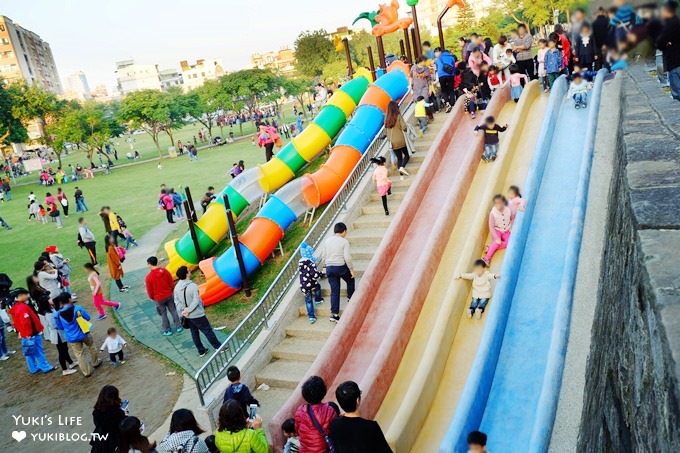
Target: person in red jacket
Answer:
pixel 566 45
pixel 159 287
pixel 29 327
pixel 313 419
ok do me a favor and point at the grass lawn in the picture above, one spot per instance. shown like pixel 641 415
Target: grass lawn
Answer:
pixel 132 192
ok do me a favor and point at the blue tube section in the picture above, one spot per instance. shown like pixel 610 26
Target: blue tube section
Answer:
pixel 513 388
pixel 395 83
pixel 468 415
pixel 278 212
pixel 364 126
pixel 227 266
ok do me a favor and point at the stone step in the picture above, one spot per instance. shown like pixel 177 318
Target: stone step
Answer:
pixel 326 291
pixel 299 349
pixel 364 252
pixel 372 221
pixel 395 196
pixel 282 373
pixel 376 208
pixel 271 400
pixel 366 236
pixel 323 311
pixel 303 329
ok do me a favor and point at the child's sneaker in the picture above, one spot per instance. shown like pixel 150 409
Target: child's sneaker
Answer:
pixel 335 318
pixel 473 115
pixel 179 330
pixel 68 372
pixel 480 312
pixel 122 362
pixel 167 333
pixel 318 302
pixel 116 364
pixel 471 311
pixel 116 308
pixel 312 320
pixel 100 318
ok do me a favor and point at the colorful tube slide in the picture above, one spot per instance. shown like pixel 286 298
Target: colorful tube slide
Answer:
pixel 223 277
pixel 513 386
pixel 212 228
pixel 368 343
pixel 422 399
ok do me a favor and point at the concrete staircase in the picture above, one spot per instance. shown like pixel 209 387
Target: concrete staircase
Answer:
pixel 292 357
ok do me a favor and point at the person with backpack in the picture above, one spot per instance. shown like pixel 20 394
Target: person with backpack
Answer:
pixel 237 434
pixel 29 328
pixel 168 205
pixel 314 418
pixel 74 321
pixel 446 72
pixel 183 435
pixel 267 137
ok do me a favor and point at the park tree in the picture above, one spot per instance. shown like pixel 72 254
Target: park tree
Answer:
pixel 202 103
pixel 335 72
pixel 313 51
pixel 12 130
pixel 298 87
pixel 177 111
pixel 249 88
pixel 148 110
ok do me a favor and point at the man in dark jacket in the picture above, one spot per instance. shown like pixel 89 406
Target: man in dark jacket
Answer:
pixel 585 48
pixel 669 43
pixel 446 72
pixel 600 33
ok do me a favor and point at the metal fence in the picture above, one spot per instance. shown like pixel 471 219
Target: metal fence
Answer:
pixel 258 317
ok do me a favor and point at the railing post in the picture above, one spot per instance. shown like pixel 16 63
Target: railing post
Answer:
pixel 194 217
pixel 233 235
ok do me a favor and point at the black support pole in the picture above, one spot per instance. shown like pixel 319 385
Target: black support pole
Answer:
pixel 348 57
pixel 371 63
pixel 192 208
pixel 407 42
pixel 192 231
pixel 233 235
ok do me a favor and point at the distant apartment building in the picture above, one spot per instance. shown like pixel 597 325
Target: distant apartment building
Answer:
pixel 101 94
pixel 135 77
pixel 25 56
pixel 195 75
pixel 76 87
pixel 280 61
pixel 170 78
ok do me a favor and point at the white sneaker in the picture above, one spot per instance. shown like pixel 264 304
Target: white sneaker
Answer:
pixel 67 372
pixel 403 171
pixel 4 357
pixel 73 365
pixel 470 313
pixel 479 314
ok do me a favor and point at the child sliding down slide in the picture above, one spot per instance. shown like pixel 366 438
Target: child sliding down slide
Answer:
pixel 481 287
pixel 501 219
pixel 491 130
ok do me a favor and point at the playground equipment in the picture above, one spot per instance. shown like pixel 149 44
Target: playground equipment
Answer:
pixel 513 386
pixel 211 229
pixel 223 277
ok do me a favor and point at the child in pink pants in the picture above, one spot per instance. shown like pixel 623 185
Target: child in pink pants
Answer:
pixel 97 295
pixel 501 218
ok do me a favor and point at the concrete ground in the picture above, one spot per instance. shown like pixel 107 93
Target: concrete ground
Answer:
pixel 568 419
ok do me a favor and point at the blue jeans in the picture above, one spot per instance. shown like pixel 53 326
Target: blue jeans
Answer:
pixel 313 296
pixel 80 205
pixel 179 212
pixel 334 274
pixel 36 361
pixel 8 195
pixel 490 152
pixel 674 81
pixel 3 345
pixel 580 98
pixel 130 241
pixel 422 123
pixel 478 303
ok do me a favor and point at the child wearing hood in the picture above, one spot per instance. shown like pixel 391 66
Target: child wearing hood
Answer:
pixel 62 265
pixel 309 280
pixel 237 391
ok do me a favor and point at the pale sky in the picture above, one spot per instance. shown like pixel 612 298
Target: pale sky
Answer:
pixel 91 35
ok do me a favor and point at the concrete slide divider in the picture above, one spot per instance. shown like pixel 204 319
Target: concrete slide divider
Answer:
pixel 471 407
pixel 388 344
pixel 415 405
pixel 552 380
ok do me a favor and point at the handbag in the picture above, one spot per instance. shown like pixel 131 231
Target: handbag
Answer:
pixel 319 428
pixel 83 323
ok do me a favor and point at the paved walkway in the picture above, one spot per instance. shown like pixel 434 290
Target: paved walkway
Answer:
pixel 138 314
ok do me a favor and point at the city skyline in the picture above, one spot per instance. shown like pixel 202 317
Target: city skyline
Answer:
pixel 97 37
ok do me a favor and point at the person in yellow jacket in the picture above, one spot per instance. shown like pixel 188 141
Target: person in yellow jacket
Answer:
pixel 236 434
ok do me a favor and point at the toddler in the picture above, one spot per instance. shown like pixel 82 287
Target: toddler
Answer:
pixel 309 280
pixel 491 130
pixel 129 238
pixel 501 219
pixel 516 78
pixel 553 61
pixel 493 79
pixel 481 287
pixel 515 200
pixel 292 442
pixel 33 211
pixel 42 214
pixel 540 57
pixel 382 181
pixel 114 343
pixel 237 391
pixel 578 91
pixel 506 61
pixel 421 113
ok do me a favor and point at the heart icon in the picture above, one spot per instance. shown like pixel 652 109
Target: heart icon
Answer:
pixel 19 435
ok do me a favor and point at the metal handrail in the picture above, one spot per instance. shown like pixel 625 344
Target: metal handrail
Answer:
pixel 257 319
